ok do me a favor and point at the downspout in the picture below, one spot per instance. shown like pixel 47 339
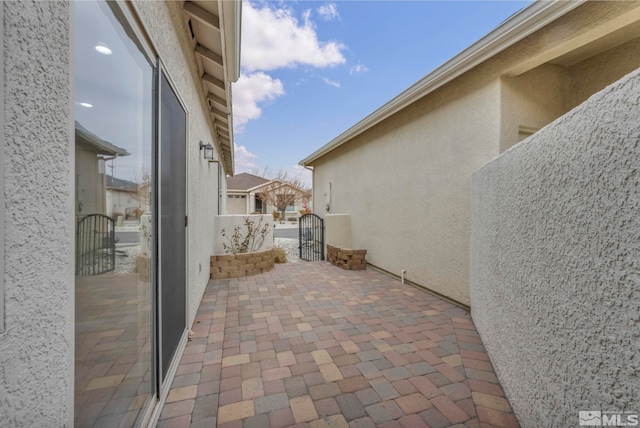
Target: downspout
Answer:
pixel 313 183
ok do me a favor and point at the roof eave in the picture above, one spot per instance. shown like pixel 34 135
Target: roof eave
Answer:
pixel 517 27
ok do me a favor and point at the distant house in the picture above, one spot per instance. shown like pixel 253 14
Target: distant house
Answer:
pixel 241 197
pixel 122 198
pixel 91 153
pixel 245 195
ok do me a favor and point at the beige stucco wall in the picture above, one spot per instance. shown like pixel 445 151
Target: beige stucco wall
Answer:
pixel 90 185
pixel 555 256
pixel 594 74
pixel 202 177
pixel 538 97
pixel 337 230
pixel 421 160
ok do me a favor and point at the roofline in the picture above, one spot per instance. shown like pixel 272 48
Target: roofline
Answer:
pixel 231 12
pixel 520 25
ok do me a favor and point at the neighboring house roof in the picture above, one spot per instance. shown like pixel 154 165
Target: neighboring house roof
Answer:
pixel 276 184
pixel 102 147
pixel 215 28
pixel 244 182
pixel 517 27
pixel 114 183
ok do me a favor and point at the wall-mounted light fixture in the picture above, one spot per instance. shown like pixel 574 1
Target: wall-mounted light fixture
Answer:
pixel 208 151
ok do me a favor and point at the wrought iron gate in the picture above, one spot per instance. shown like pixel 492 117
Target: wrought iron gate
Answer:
pixel 311 233
pixel 95 245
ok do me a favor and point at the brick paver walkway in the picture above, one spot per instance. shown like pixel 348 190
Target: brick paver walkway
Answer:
pixel 311 345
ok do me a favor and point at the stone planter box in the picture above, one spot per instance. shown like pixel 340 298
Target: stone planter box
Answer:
pixel 346 258
pixel 239 265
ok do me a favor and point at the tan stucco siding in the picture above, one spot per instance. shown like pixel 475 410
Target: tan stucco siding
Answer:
pixel 532 100
pixel 406 184
pixel 90 187
pixel 595 73
pixel 538 97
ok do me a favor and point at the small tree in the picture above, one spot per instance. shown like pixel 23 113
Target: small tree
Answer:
pixel 283 192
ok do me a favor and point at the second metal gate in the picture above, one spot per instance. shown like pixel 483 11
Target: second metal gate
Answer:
pixel 311 234
pixel 95 245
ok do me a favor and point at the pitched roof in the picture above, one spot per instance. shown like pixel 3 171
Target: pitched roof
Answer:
pixel 101 146
pixel 515 28
pixel 244 181
pixel 120 184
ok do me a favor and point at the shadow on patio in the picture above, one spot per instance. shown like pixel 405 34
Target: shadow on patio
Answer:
pixel 312 345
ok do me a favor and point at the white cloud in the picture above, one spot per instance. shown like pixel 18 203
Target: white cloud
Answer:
pixel 243 159
pixel 357 69
pixel 331 82
pixel 274 38
pixel 248 92
pixel 329 12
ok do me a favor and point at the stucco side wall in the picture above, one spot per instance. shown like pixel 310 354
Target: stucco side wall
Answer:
pixel 406 184
pixel 229 222
pixel 555 256
pixel 37 347
pixel 532 101
pixel 595 73
pixel 165 23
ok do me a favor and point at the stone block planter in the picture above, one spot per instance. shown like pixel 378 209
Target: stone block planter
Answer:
pixel 238 265
pixel 346 258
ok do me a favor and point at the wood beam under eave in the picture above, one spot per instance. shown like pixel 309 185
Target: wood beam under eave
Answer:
pixel 219 126
pixel 209 54
pixel 215 82
pixel 202 15
pixel 220 129
pixel 216 99
pixel 219 117
pixel 218 112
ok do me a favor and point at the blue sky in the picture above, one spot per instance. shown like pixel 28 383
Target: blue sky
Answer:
pixel 313 69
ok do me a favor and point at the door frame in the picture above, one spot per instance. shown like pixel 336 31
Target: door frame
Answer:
pixel 162 386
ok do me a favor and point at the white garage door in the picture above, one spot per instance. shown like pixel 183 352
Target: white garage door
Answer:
pixel 236 204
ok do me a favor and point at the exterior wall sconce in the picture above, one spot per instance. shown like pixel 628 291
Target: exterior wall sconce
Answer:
pixel 208 151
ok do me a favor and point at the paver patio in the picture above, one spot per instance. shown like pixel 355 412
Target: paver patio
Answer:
pixel 311 345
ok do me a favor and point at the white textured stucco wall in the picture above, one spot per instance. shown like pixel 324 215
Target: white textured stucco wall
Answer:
pixel 337 230
pixel 176 52
pixel 555 262
pixel 36 350
pixel 229 222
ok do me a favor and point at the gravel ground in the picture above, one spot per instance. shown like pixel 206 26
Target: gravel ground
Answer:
pixel 290 246
pixel 126 259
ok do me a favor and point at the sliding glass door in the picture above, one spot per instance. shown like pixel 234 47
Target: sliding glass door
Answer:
pixel 115 373
pixel 173 222
pixel 130 207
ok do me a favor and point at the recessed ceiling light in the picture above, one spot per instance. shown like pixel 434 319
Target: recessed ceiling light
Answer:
pixel 103 49
pixel 87 105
